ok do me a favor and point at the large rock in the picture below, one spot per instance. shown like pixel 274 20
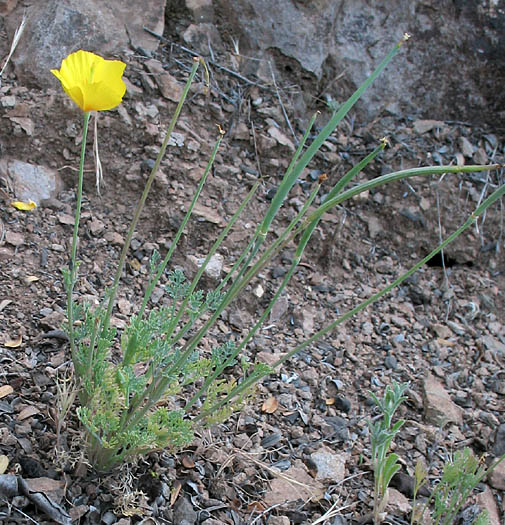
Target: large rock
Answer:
pixel 30 181
pixel 452 68
pixel 55 28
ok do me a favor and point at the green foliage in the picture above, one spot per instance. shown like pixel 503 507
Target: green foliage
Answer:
pixel 382 433
pixel 460 476
pixel 154 387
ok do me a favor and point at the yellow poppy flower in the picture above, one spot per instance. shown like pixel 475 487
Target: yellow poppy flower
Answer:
pixel 92 82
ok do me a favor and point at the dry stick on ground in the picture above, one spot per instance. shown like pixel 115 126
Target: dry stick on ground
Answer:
pixel 286 118
pixel 211 62
pixel 234 74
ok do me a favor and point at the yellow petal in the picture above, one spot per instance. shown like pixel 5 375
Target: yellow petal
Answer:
pixel 24 206
pixel 92 82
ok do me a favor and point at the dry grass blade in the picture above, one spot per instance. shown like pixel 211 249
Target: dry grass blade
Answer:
pixel 15 41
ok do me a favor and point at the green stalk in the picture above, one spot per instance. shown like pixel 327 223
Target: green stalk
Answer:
pixel 497 194
pixel 143 198
pixel 261 320
pixel 181 229
pixel 73 260
pixel 260 264
pixel 255 243
pixel 212 251
pixel 469 222
pixel 391 177
pixel 293 172
pixel 148 392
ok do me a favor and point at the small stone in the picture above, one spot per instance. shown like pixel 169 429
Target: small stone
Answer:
pixel 279 309
pixel 493 345
pixel 499 441
pixel 330 466
pixel 184 513
pixel 497 478
pixel 25 123
pixel 269 358
pixel 169 87
pixel 240 319
pixel 114 238
pixel 214 266
pixel 280 137
pixel 9 101
pixel 397 502
pixel 241 131
pixel 96 227
pixel 282 490
pixel 258 291
pixel 423 126
pixel 278 520
pixel 391 362
pixel 31 181
pixel 203 36
pixel 442 331
pixel 465 146
pixel 486 501
pixel 374 226
pixel 14 239
pixel 480 156
pixel 6 6
pixel 438 406
pixel 109 518
pixel 65 218
pixel 342 404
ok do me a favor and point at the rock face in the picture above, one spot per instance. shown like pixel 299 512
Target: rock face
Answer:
pixel 452 68
pixel 55 28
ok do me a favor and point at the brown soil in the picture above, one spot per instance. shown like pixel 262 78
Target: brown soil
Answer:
pixel 435 323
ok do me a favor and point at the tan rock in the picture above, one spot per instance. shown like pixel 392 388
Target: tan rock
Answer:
pixel 438 406
pixel 497 477
pixel 168 85
pixel 397 502
pixel 486 501
pixel 291 485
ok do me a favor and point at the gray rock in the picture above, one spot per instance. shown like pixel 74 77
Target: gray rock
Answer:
pixel 499 441
pixel 55 28
pixel 31 181
pixel 184 513
pixel 391 362
pixel 330 466
pixel 279 309
pixel 202 10
pixel 329 38
pixel 493 345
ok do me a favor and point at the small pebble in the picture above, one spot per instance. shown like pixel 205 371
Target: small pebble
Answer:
pixel 391 362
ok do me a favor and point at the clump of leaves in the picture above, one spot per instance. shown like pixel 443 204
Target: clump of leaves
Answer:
pixel 461 475
pixel 385 465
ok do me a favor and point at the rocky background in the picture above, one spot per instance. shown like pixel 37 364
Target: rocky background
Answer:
pixel 301 449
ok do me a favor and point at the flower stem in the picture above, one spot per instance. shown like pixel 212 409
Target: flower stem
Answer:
pixel 143 198
pixel 73 261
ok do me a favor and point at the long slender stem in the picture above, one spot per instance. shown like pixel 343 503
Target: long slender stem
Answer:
pixel 180 231
pixel 496 195
pixel 75 238
pixel 143 198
